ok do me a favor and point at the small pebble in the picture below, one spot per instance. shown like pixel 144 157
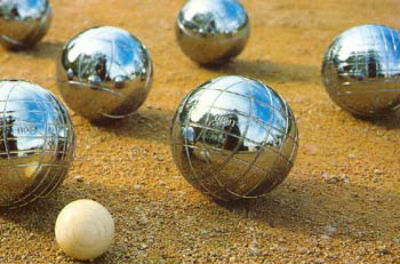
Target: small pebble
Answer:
pixel 303 251
pixel 137 187
pixel 254 251
pixel 79 178
pixel 331 229
pixel 325 176
pixel 345 178
pixel 144 220
pixel 333 180
pixel 143 246
pixel 325 237
pixel 383 251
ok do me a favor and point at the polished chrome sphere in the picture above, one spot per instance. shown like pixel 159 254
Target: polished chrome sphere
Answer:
pixel 104 73
pixel 212 31
pixel 361 70
pixel 234 138
pixel 23 22
pixel 37 142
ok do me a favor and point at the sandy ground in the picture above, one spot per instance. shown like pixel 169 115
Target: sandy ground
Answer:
pixel 340 204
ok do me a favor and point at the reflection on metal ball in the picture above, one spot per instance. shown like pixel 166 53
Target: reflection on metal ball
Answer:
pixel 361 70
pixel 104 73
pixel 24 22
pixel 233 138
pixel 37 143
pixel 212 31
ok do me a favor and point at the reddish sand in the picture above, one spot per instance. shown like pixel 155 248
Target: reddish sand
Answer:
pixel 340 203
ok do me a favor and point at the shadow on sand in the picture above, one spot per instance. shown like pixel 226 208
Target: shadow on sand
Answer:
pixel 268 70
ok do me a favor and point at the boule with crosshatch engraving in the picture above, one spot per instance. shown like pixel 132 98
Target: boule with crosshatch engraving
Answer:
pixel 104 74
pixel 37 143
pixel 212 31
pixel 23 23
pixel 234 138
pixel 361 70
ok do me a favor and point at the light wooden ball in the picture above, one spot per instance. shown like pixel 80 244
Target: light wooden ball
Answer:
pixel 84 229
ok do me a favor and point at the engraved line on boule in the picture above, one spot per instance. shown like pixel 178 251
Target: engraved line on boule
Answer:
pixel 383 37
pixel 221 166
pixel 38 167
pixel 185 124
pixel 269 134
pixel 53 160
pixel 366 92
pixel 203 137
pixel 250 165
pixel 77 85
pixel 218 151
pixel 241 141
pixel 284 142
pixel 254 118
pixel 245 96
pixel 12 163
pixel 64 124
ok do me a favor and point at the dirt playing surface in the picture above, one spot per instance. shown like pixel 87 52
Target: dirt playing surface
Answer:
pixel 340 203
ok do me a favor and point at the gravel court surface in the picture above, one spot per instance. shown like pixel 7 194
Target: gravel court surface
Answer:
pixel 340 204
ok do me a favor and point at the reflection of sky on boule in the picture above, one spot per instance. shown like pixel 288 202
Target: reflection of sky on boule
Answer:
pixel 256 132
pixel 222 83
pixel 266 107
pixel 27 8
pixel 122 52
pixel 366 43
pixel 35 117
pixel 257 127
pixel 91 47
pixel 227 15
pixel 189 134
pixel 233 102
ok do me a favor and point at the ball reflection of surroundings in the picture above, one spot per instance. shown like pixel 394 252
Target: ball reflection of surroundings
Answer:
pixel 24 22
pixel 212 31
pixel 234 138
pixel 104 73
pixel 37 143
pixel 361 70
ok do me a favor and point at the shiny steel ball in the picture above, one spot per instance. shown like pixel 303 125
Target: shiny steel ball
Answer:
pixel 84 229
pixel 234 138
pixel 104 73
pixel 23 22
pixel 212 31
pixel 361 70
pixel 37 142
